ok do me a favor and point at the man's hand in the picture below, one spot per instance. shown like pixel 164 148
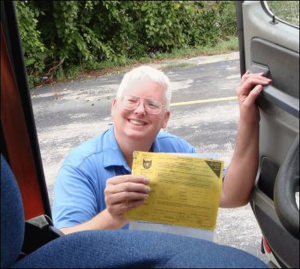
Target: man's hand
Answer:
pixel 123 193
pixel 249 89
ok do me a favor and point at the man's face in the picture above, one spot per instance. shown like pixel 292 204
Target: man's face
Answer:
pixel 138 124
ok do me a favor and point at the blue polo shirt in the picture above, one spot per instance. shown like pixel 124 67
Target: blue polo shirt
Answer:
pixel 81 181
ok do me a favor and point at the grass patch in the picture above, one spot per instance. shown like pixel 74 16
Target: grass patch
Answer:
pixel 176 65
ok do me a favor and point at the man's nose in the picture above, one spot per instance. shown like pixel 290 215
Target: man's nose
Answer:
pixel 140 108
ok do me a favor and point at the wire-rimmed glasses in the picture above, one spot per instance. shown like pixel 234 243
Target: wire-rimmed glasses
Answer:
pixel 131 102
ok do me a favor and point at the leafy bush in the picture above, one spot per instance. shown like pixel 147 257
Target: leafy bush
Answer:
pixel 33 48
pixel 65 36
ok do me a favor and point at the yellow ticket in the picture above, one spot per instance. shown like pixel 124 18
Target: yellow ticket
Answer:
pixel 185 190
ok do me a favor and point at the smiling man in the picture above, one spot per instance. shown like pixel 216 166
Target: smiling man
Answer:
pixel 94 187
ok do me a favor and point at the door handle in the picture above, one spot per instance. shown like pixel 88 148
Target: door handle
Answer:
pixel 285 101
pixel 270 93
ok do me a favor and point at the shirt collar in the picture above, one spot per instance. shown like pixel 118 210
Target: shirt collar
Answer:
pixel 113 155
pixel 155 146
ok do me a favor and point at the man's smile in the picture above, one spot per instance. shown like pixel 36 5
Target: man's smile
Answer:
pixel 137 122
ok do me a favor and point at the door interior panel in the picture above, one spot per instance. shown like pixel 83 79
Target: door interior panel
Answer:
pixel 273 48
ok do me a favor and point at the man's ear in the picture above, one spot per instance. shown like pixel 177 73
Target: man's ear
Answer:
pixel 167 115
pixel 113 107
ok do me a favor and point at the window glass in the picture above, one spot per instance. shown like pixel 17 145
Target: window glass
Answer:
pixel 287 11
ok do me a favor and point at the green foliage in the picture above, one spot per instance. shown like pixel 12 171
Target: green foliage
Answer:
pixel 57 36
pixel 33 49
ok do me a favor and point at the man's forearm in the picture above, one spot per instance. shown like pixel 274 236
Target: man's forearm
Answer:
pixel 241 173
pixel 102 221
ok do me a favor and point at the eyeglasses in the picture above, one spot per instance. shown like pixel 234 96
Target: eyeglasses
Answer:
pixel 131 102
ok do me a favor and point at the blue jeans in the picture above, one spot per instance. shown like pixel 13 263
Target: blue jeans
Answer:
pixel 126 248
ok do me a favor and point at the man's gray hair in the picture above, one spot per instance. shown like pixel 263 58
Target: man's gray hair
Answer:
pixel 142 73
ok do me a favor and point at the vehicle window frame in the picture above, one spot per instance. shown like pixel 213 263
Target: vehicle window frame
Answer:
pixel 273 16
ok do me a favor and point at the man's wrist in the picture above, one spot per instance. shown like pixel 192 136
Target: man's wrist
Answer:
pixel 114 223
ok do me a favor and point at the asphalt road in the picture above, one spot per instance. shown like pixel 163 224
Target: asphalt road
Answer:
pixel 204 112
